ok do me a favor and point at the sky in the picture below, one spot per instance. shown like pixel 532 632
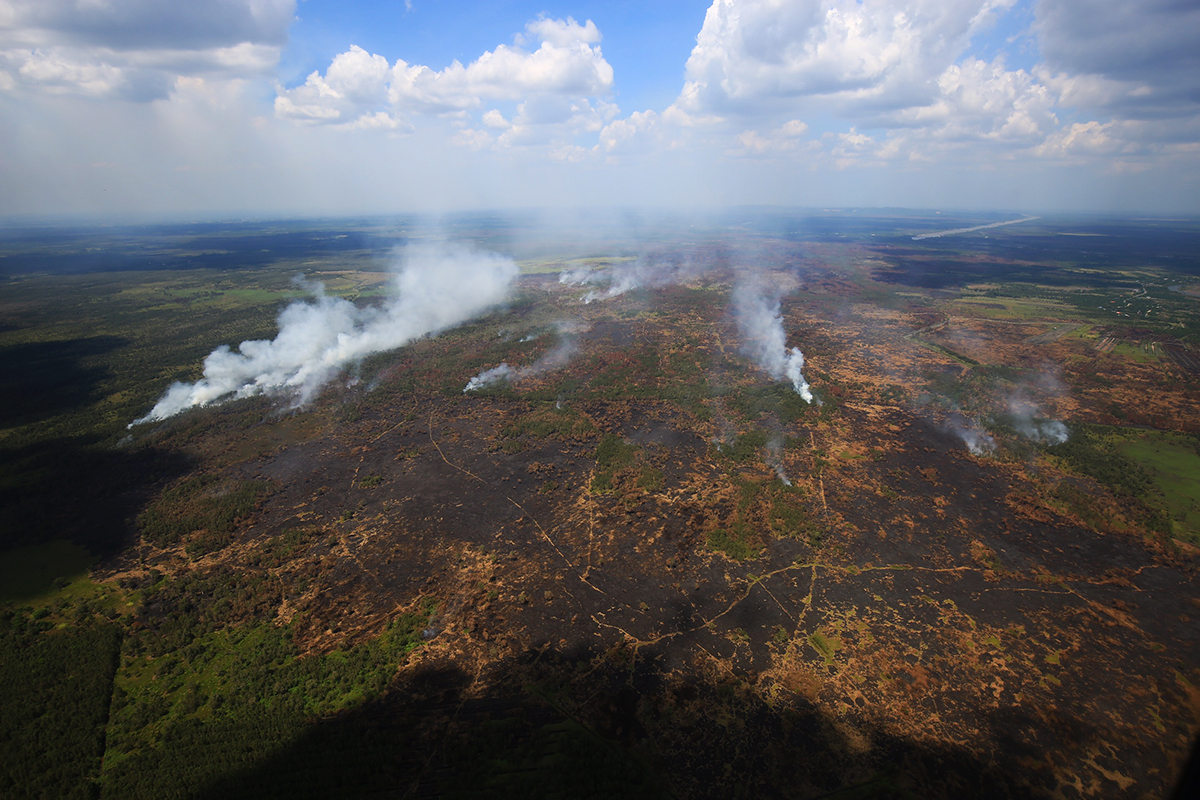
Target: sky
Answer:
pixel 219 108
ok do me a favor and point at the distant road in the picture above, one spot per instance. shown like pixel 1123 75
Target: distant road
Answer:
pixel 976 228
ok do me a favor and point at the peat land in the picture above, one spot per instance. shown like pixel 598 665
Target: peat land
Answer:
pixel 967 569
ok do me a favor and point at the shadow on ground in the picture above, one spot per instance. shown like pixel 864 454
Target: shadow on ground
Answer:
pixel 39 380
pixel 554 724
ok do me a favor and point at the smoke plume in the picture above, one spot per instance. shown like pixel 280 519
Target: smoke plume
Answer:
pixel 554 358
pixel 763 338
pixel 489 376
pixel 977 440
pixel 1027 423
pixel 774 458
pixel 437 287
pixel 651 270
pixel 581 276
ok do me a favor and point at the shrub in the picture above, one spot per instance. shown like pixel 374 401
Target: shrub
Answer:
pixel 612 455
pixel 199 503
pixel 732 543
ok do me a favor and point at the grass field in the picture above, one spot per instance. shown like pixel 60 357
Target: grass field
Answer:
pixel 1174 461
pixel 1135 353
pixel 1014 308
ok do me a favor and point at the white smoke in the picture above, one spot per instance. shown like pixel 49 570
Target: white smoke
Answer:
pixel 585 276
pixel 554 358
pixel 437 287
pixel 621 282
pixel 763 338
pixel 1026 422
pixel 580 276
pixel 651 270
pixel 978 441
pixel 488 377
pixel 775 459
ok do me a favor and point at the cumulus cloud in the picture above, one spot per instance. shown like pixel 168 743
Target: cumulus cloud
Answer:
pixel 979 104
pixel 558 86
pixel 756 54
pixel 355 83
pixel 929 87
pixel 641 132
pixel 136 49
pixel 903 81
pixel 1139 60
pixel 784 139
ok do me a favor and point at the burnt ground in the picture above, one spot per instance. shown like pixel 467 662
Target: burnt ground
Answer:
pixel 942 626
pixel 930 627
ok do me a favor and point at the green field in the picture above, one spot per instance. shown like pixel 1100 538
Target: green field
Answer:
pixel 1000 307
pixel 1174 462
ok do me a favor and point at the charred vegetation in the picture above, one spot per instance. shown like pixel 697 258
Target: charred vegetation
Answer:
pixel 637 565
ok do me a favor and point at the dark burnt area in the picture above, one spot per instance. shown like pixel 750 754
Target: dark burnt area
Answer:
pixel 934 631
pixel 610 615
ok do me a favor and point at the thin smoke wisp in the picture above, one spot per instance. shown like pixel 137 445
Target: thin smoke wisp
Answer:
pixel 651 270
pixel 774 458
pixel 1028 422
pixel 764 340
pixel 978 441
pixel 554 358
pixel 436 287
pixel 503 372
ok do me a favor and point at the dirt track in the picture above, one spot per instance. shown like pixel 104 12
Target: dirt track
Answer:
pixel 932 624
pixel 949 616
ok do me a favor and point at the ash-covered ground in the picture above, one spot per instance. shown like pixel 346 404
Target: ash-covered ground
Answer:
pixel 651 568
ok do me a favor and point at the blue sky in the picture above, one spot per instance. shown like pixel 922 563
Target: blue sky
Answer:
pixel 646 42
pixel 266 107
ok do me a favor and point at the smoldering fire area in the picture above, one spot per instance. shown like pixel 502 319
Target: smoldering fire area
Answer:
pixel 638 547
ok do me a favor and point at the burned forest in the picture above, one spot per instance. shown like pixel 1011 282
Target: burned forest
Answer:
pixel 812 507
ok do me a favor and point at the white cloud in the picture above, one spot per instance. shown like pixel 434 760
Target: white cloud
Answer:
pixel 1106 93
pixel 756 56
pixel 902 68
pixel 560 66
pixel 58 71
pixel 380 121
pixel 1135 64
pixel 135 49
pixel 563 34
pixel 571 153
pixel 473 139
pixel 1083 138
pixel 640 132
pixel 558 89
pixel 981 101
pixel 851 148
pixel 494 119
pixel 784 139
pixel 355 84
pixel 899 80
